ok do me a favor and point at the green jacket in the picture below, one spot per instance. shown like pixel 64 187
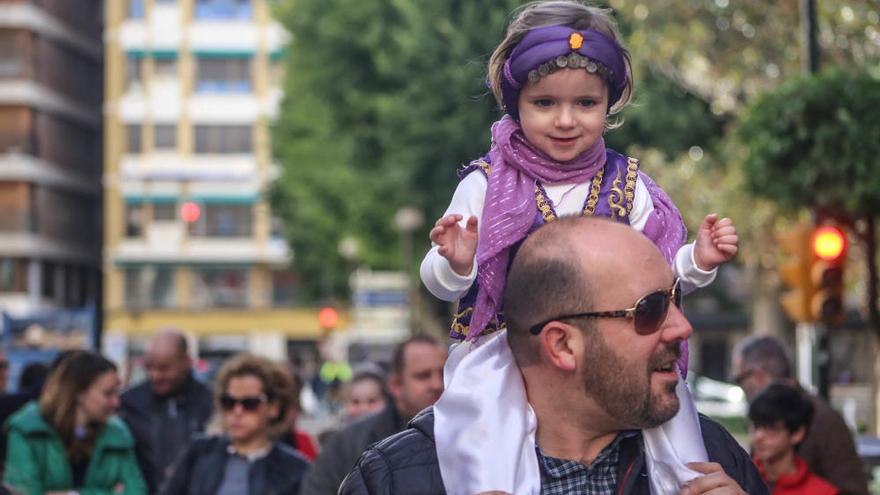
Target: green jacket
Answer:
pixel 36 461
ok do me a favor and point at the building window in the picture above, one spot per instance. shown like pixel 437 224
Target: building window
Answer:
pixel 134 78
pixel 164 136
pixel 224 139
pixel 149 287
pixel 223 9
pixel 224 220
pixel 165 68
pixel 13 275
pixel 136 9
pixel 284 285
pixel 223 75
pixel 164 212
pixel 220 288
pixel 10 54
pixel 133 138
pixel 134 220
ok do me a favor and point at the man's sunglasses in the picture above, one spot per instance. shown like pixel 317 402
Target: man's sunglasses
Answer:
pixel 649 312
pixel 228 402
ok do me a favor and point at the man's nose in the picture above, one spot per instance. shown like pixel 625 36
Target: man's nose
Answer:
pixel 676 326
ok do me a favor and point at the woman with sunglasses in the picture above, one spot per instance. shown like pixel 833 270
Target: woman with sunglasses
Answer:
pixel 252 397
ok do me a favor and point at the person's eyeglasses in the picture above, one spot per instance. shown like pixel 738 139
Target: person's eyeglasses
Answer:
pixel 649 312
pixel 228 402
pixel 743 376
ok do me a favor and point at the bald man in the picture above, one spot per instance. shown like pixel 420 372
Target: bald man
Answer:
pixel 165 412
pixel 594 326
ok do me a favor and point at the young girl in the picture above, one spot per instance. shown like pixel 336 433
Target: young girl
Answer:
pixel 559 74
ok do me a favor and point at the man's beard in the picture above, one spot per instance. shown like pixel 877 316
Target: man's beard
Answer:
pixel 624 389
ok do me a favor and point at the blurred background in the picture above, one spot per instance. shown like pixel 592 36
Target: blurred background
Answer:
pixel 262 174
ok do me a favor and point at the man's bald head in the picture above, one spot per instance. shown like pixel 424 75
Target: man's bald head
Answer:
pixel 556 269
pixel 168 362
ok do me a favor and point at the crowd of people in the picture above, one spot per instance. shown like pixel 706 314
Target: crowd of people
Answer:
pixel 569 265
pixel 172 434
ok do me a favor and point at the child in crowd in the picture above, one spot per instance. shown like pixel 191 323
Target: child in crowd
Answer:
pixel 560 76
pixel 778 421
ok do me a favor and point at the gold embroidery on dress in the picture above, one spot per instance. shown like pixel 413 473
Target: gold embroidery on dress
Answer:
pixel 616 199
pixel 483 164
pixel 632 174
pixel 462 329
pixel 590 207
pixel 544 205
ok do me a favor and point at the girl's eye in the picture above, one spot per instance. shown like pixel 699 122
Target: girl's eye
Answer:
pixel 543 102
pixel 586 102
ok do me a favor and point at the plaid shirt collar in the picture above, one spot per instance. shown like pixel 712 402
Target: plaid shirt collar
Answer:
pixel 560 476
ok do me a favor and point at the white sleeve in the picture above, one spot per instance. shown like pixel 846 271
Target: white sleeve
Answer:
pixel 435 271
pixel 642 206
pixel 685 268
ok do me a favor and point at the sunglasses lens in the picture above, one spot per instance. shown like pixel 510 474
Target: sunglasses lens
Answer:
pixel 227 403
pixel 650 312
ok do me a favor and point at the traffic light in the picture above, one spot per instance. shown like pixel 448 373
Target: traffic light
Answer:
pixel 814 272
pixel 828 244
pixel 795 272
pixel 328 318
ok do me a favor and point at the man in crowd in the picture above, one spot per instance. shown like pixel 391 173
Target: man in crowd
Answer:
pixel 828 446
pixel 415 382
pixel 595 375
pixel 165 411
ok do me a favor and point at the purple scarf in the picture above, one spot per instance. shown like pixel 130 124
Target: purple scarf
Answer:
pixel 509 208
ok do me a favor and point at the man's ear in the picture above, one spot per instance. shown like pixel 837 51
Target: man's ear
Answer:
pixel 394 385
pixel 561 345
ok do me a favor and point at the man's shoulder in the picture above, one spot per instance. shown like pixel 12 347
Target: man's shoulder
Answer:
pixel 139 394
pixel 401 462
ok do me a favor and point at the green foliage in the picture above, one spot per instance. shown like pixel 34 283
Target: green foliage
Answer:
pixel 814 143
pixel 383 101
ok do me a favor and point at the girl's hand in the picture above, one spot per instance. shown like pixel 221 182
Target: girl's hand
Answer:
pixel 717 242
pixel 456 244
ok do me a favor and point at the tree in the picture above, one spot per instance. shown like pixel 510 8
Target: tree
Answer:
pixel 384 99
pixel 813 143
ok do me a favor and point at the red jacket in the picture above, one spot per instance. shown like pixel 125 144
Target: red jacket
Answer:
pixel 800 482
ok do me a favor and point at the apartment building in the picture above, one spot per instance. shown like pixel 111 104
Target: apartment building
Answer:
pixel 51 73
pixel 189 238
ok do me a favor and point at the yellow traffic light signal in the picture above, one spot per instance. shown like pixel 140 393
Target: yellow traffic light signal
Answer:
pixel 795 272
pixel 826 274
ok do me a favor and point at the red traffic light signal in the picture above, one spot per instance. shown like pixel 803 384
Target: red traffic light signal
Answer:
pixel 829 243
pixel 814 271
pixel 826 274
pixel 328 318
pixel 190 212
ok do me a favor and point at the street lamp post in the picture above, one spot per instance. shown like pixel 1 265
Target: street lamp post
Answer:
pixel 407 220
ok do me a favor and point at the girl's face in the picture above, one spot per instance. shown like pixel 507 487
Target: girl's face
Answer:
pixel 101 399
pixel 563 115
pixel 364 397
